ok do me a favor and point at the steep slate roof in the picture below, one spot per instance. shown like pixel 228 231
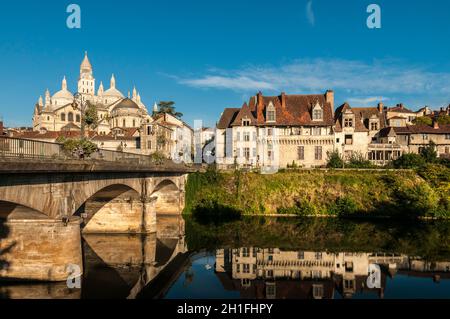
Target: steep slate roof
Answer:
pixel 244 113
pixel 228 116
pixel 362 117
pixel 387 131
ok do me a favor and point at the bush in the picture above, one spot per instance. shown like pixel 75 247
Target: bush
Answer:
pixel 334 160
pixel 78 148
pixel 417 200
pixel 344 207
pixel 357 160
pixel 301 208
pixel 409 160
pixel 210 211
pixel 158 158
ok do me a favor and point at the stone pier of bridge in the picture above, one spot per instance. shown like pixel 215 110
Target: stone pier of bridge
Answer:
pixel 45 209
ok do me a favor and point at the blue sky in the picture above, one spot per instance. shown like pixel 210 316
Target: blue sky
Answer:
pixel 207 54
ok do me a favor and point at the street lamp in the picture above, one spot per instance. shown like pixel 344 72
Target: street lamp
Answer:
pixel 79 104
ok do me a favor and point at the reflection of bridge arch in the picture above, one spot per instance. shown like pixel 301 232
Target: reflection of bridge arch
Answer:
pixel 11 211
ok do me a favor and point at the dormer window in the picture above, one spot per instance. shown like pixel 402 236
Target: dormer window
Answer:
pixel 271 115
pixel 317 112
pixel 348 122
pixel 245 122
pixel 374 126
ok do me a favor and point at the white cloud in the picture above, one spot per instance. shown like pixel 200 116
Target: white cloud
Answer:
pixel 310 13
pixel 367 101
pixel 240 83
pixel 357 79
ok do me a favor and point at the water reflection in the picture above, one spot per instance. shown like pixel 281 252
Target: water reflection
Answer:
pixel 115 266
pixel 263 258
pixel 317 259
pixel 273 273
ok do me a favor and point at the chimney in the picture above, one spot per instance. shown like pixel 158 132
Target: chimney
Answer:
pixel 380 107
pixel 1 128
pixel 283 100
pixel 260 100
pixel 329 97
pixel 401 106
pixel 435 125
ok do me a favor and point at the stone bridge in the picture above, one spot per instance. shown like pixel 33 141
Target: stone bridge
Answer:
pixel 45 206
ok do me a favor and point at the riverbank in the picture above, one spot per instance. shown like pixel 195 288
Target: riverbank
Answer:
pixel 423 193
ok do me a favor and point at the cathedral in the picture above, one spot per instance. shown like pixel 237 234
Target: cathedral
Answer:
pixel 55 113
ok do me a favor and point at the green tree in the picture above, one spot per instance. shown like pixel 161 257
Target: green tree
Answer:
pixel 429 153
pixel 167 107
pixel 443 119
pixel 423 120
pixel 409 160
pixel 91 116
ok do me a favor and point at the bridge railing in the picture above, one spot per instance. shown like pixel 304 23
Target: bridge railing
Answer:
pixel 22 148
pixel 33 149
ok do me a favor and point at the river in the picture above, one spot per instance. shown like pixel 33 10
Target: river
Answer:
pixel 263 258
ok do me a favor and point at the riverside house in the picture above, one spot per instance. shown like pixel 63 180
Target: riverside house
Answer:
pixel 301 130
pixel 277 131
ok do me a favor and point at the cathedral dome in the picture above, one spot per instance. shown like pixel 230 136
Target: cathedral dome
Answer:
pixel 63 94
pixel 126 104
pixel 113 92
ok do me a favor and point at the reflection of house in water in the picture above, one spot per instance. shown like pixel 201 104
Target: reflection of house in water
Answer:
pixel 272 273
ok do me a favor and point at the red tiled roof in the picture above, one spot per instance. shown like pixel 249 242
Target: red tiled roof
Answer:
pixel 423 129
pixel 296 111
pixel 399 109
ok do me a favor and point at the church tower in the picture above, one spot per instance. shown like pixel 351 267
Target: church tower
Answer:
pixel 86 82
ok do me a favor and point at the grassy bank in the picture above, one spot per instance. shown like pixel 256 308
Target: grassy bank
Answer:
pixel 352 193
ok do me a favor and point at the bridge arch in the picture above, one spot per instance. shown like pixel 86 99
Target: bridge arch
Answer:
pixel 115 208
pixel 167 193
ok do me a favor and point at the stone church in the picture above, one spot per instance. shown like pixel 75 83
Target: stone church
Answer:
pixel 55 113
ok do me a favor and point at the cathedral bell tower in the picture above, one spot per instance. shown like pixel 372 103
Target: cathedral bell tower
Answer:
pixel 86 82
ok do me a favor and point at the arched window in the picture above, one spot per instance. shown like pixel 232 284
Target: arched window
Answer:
pixel 70 117
pixel 78 117
pixel 63 117
pixel 134 123
pixel 124 123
